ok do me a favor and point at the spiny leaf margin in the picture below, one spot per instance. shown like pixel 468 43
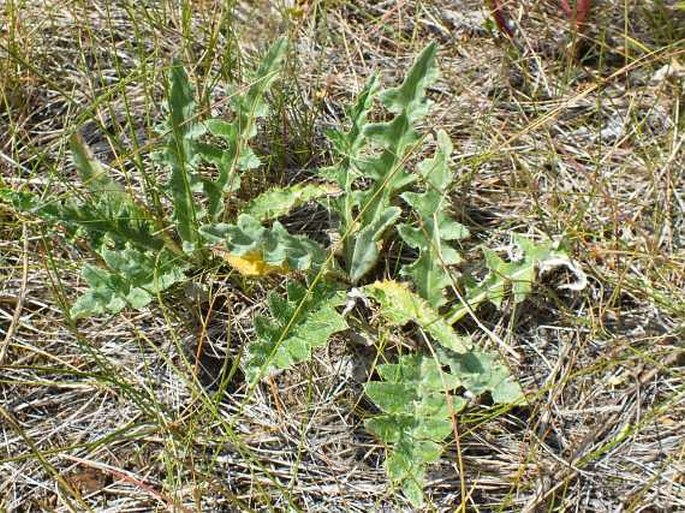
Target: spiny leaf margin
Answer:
pixel 256 250
pixel 400 305
pixel 299 323
pixel 434 229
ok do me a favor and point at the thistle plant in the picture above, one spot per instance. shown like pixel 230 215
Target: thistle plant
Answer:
pixel 373 195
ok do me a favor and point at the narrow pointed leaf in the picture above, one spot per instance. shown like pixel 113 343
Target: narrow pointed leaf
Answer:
pixel 181 155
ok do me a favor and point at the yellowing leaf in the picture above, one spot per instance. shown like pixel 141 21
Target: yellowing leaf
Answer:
pixel 400 305
pixel 251 264
pixel 255 250
pixel 280 201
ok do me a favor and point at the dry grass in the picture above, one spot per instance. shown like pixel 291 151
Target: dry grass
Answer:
pixel 560 133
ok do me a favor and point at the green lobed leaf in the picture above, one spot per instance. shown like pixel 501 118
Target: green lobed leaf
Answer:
pixel 298 324
pixel 132 278
pixel 184 151
pixel 109 212
pixel 417 401
pixel 136 262
pixel 105 213
pixel 400 305
pixel 360 209
pixel 280 201
pixel 517 275
pixel 248 108
pixel 274 246
pixel 410 95
pixel 348 146
pixel 397 136
pixel 434 228
pixel 480 372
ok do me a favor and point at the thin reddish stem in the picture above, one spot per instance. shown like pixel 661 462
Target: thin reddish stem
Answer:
pixel 500 15
pixel 577 14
